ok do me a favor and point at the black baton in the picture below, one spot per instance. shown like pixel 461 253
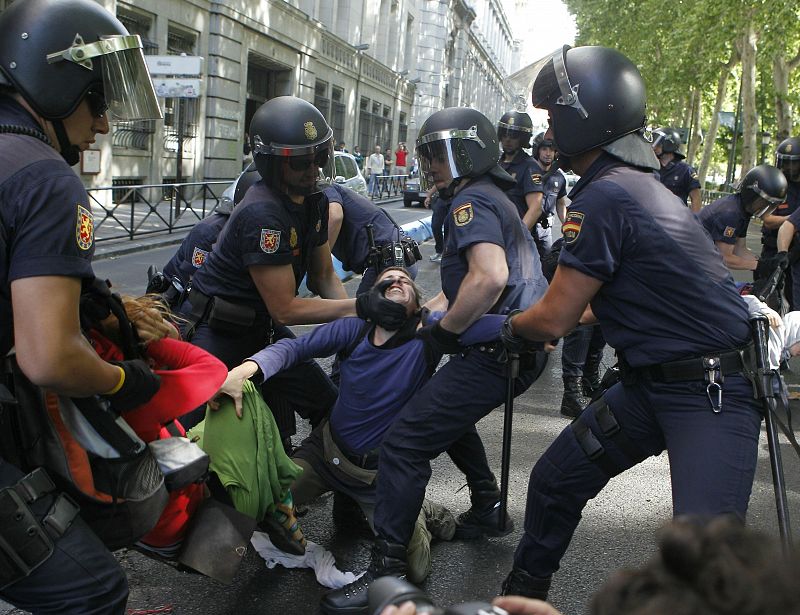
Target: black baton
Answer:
pixel 512 368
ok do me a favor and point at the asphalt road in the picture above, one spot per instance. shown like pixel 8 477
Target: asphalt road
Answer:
pixel 617 529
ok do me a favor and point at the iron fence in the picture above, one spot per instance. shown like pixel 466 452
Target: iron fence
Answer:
pixel 709 196
pixel 135 211
pixel 391 185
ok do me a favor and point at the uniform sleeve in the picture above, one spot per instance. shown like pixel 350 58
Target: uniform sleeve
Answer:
pixel 596 232
pixel 691 179
pixel 264 236
pixel 724 228
pixel 794 218
pixel 323 222
pixel 53 225
pixel 474 221
pixel 531 180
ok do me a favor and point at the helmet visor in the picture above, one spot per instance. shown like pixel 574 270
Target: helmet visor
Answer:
pixel 127 85
pixel 283 149
pixel 443 156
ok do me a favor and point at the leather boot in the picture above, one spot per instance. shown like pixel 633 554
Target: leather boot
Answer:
pixel 484 516
pixel 520 583
pixel 591 374
pixel 387 559
pixel 573 402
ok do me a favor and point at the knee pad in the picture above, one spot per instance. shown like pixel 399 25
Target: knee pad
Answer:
pixel 609 428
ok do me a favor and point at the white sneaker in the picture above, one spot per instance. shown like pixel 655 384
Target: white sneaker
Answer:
pixel 436 257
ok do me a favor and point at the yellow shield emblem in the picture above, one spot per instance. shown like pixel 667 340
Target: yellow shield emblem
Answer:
pixel 463 214
pixel 311 131
pixel 293 238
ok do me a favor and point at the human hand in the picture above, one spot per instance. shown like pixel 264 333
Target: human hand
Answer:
pixel 233 385
pixel 440 339
pixel 139 384
pixel 151 326
pixel 517 605
pixel 375 307
pixel 781 260
pixel 513 343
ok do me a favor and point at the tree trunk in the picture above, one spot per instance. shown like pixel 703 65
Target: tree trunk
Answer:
pixel 696 134
pixel 713 124
pixel 782 69
pixel 749 115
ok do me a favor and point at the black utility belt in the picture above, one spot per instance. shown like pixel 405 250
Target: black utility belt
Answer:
pixel 223 315
pixel 696 368
pixel 403 253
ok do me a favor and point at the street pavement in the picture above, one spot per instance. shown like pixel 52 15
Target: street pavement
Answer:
pixel 618 527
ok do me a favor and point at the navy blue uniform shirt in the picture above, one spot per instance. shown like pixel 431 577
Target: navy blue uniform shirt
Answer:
pixel 266 228
pixel 555 187
pixel 195 248
pixel 769 237
pixel 46 223
pixel 528 174
pixel 680 178
pixel 481 213
pixel 725 219
pixel 666 294
pixel 352 245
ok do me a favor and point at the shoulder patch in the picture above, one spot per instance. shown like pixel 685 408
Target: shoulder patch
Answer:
pixel 572 226
pixel 270 240
pixel 463 214
pixel 729 231
pixel 84 229
pixel 293 238
pixel 536 178
pixel 199 257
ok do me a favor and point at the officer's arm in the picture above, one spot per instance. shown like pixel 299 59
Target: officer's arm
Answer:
pixel 785 235
pixel 481 287
pixel 439 303
pixel 275 284
pixel 534 202
pixel 772 221
pixel 561 209
pixel 737 256
pixel 51 351
pixel 335 219
pixel 696 203
pixel 561 308
pixel 322 278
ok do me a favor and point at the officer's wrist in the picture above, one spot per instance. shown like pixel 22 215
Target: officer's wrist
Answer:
pixel 120 382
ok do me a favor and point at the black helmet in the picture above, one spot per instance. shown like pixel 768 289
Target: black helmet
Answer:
pixel 55 51
pixel 466 139
pixel 288 127
pixel 516 124
pixel 595 97
pixel 763 189
pixel 787 158
pixel 670 141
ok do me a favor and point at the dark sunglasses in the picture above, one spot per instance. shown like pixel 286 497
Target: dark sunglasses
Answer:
pixel 298 163
pixel 97 103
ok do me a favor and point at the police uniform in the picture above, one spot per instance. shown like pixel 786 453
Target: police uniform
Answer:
pixel 227 312
pixel 442 415
pixel 528 174
pixel 352 246
pixel 680 178
pixel 195 248
pixel 47 229
pixel 555 188
pixel 666 301
pixel 793 280
pixel 725 220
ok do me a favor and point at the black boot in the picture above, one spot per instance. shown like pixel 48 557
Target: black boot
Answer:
pixel 591 374
pixel 573 402
pixel 387 559
pixel 520 583
pixel 484 516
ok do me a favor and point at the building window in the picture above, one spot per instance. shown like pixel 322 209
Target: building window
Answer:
pixel 402 129
pixel 180 114
pixel 321 100
pixel 338 113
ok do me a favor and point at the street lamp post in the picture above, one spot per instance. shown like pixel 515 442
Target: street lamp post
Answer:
pixel 360 49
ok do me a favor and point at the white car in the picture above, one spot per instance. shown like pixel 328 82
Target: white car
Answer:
pixel 348 174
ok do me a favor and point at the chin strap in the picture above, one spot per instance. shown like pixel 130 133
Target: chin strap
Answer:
pixel 447 193
pixel 71 153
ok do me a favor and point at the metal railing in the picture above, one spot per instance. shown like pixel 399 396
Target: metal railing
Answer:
pixel 135 211
pixel 709 196
pixel 391 185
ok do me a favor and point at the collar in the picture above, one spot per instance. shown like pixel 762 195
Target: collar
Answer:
pixel 405 334
pixel 603 163
pixel 15 113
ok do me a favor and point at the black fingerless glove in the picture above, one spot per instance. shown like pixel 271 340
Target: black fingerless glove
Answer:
pixel 139 386
pixel 440 339
pixel 376 308
pixel 513 343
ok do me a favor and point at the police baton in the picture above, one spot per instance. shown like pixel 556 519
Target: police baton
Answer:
pixel 764 390
pixel 512 368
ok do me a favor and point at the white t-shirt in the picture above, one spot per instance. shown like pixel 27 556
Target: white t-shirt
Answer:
pixel 375 163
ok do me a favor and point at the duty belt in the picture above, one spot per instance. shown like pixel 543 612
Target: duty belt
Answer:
pixel 696 368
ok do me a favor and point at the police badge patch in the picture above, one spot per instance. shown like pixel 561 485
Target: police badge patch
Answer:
pixel 199 257
pixel 84 230
pixel 536 178
pixel 572 226
pixel 311 131
pixel 293 238
pixel 463 214
pixel 270 240
pixel 728 232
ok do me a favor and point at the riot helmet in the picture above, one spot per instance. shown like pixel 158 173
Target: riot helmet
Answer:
pixel 762 190
pixel 787 158
pixel 670 141
pixel 455 143
pixel 595 97
pixel 516 124
pixel 292 130
pixel 542 155
pixel 54 52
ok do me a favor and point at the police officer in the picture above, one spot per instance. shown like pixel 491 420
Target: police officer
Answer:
pixel 514 130
pixel 57 83
pixel 553 195
pixel 675 174
pixel 489 265
pixel 197 245
pixel 349 216
pixel 726 219
pixel 245 294
pixel 787 159
pixel 646 268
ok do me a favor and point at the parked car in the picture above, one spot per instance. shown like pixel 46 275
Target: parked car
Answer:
pixel 348 174
pixel 413 193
